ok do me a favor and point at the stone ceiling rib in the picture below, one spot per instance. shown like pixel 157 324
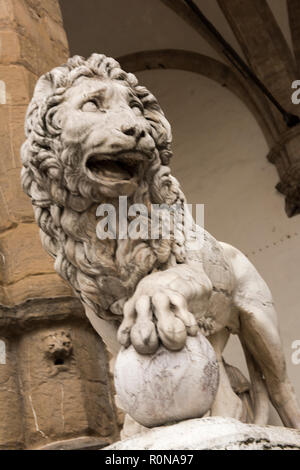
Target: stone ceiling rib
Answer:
pixel 182 10
pixel 263 44
pixel 294 19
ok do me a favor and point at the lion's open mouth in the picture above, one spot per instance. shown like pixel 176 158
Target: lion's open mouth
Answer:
pixel 119 167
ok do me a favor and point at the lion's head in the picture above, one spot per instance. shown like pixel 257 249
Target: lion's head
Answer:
pixel 93 134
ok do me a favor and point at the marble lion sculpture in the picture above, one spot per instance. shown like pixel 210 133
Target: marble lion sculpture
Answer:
pixel 94 134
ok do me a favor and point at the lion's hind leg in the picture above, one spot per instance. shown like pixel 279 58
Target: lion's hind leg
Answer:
pixel 260 335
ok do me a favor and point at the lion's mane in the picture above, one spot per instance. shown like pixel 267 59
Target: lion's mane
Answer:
pixel 102 273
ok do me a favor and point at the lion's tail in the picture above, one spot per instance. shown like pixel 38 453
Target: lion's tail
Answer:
pixel 258 391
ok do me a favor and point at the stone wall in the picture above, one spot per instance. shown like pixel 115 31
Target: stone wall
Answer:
pixel 32 42
pixel 41 401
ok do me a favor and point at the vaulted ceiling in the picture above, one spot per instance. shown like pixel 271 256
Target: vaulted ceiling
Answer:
pixel 121 27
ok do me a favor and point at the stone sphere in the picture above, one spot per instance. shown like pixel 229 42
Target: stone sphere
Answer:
pixel 167 386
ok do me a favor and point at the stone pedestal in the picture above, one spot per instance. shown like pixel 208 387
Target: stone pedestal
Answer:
pixel 212 434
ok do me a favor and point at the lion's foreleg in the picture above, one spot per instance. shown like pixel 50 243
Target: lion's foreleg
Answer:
pixel 106 330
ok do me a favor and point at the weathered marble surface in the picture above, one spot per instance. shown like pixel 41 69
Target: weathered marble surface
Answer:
pixel 94 134
pixel 212 434
pixel 167 386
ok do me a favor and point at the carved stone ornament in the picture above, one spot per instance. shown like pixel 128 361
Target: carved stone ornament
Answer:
pixel 289 186
pixel 94 134
pixel 58 346
pixel 285 155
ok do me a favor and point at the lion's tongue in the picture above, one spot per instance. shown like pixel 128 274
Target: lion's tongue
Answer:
pixel 113 170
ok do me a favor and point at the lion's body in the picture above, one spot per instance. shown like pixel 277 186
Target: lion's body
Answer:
pixel 94 134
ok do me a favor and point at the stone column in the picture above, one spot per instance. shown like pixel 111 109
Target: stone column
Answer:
pixel 35 303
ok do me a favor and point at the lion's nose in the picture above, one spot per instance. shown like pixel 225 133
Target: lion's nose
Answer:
pixel 134 132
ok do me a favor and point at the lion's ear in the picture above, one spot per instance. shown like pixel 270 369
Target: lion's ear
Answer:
pixel 43 88
pixel 155 115
pixel 161 126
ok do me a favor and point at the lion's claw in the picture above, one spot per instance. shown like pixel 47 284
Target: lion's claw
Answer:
pixel 162 315
pixel 172 334
pixel 144 337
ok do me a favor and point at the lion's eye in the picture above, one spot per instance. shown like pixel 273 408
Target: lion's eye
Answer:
pixel 90 106
pixel 137 107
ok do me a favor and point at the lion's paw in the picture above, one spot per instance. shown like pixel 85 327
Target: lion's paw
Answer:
pixel 162 315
